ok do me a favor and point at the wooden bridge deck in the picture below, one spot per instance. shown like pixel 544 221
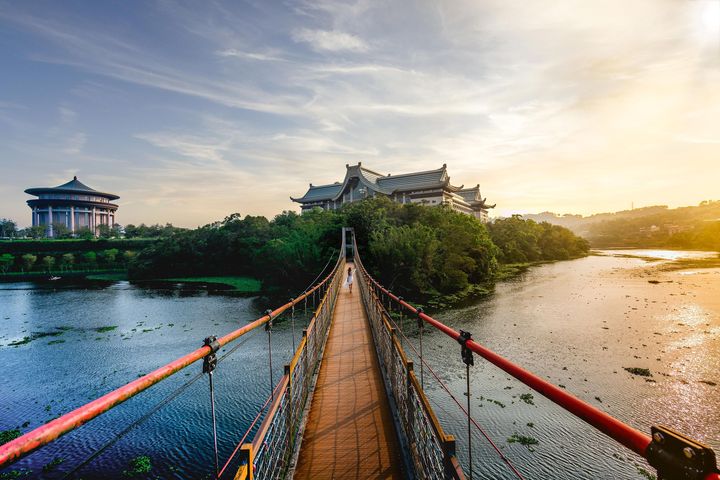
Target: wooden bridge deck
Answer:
pixel 349 432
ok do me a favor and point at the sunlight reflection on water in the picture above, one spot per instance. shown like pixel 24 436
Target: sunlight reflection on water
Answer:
pixel 659 254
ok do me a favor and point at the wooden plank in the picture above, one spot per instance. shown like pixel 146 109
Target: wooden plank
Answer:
pixel 349 433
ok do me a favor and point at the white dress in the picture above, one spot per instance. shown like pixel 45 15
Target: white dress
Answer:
pixel 349 280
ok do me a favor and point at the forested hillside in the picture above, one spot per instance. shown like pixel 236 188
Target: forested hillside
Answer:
pixel 696 227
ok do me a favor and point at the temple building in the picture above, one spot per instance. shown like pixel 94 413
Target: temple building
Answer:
pixel 72 204
pixel 430 188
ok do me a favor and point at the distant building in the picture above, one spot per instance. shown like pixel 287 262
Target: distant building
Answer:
pixel 72 204
pixel 430 188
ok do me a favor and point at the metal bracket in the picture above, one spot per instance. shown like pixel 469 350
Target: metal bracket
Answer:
pixel 210 360
pixel 268 325
pixel 677 457
pixel 465 352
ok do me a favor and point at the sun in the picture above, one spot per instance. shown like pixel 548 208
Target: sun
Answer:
pixel 706 16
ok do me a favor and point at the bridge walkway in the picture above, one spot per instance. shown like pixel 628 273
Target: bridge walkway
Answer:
pixel 349 432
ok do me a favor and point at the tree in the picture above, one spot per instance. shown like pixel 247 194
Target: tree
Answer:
pixel 67 261
pixel 60 230
pixel 90 259
pixel 109 255
pixel 38 231
pixel 128 255
pixel 28 260
pixel 104 231
pixel 8 228
pixel 6 262
pixel 85 233
pixel 48 261
pixel 130 231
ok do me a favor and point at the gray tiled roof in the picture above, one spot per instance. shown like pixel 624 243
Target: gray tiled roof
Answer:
pixel 411 181
pixel 75 184
pixel 382 184
pixel 470 194
pixel 320 193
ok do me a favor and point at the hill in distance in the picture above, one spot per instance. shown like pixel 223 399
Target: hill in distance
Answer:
pixel 693 227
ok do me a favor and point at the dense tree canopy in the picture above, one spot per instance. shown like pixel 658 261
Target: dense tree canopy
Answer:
pixel 522 241
pixel 410 248
pixel 695 227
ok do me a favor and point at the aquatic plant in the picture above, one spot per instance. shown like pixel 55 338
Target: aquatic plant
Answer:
pixel 523 440
pixel 8 435
pixel 138 466
pixel 642 372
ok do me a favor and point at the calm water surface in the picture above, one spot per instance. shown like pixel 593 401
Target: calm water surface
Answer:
pixel 575 323
pixel 43 379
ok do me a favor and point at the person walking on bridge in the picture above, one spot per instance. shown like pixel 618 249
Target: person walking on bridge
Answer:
pixel 349 281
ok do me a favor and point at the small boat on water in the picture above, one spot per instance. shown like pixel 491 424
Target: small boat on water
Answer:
pixel 55 278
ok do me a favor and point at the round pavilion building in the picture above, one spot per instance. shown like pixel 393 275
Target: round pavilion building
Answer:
pixel 72 204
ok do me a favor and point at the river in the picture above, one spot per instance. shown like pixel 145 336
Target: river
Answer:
pixel 576 323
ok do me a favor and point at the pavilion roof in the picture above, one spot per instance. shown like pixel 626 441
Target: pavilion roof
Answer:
pixel 73 186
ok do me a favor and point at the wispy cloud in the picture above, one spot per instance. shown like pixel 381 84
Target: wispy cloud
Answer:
pixel 75 143
pixel 545 104
pixel 330 40
pixel 263 57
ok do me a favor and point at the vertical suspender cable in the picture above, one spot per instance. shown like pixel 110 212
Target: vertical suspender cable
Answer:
pixel 292 320
pixel 268 329
pixel 467 358
pixel 209 364
pixel 422 363
pixel 214 423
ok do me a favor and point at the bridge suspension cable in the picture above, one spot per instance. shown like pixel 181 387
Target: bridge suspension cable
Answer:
pixel 671 453
pixel 460 405
pixel 31 441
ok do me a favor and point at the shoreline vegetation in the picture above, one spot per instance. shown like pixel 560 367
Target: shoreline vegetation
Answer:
pixel 435 256
pixel 237 284
pixel 432 255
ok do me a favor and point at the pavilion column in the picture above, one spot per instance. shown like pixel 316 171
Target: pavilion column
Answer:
pixel 34 216
pixel 94 221
pixel 50 222
pixel 72 219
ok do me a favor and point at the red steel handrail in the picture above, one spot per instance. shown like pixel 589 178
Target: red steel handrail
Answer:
pixel 626 435
pixel 31 441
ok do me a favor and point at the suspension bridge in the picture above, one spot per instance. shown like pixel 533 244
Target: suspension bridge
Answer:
pixel 351 403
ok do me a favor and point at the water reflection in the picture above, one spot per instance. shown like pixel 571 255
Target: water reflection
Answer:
pixel 579 324
pixel 104 336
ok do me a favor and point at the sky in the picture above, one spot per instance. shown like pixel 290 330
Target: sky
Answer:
pixel 192 110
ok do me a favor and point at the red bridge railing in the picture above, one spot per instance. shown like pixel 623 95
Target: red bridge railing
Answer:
pixel 674 455
pixel 35 439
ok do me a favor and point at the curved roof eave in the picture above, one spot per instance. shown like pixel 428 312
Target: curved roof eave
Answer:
pixel 40 190
pixel 356 171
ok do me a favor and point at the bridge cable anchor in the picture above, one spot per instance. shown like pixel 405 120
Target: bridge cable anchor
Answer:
pixel 467 358
pixel 676 456
pixel 209 365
